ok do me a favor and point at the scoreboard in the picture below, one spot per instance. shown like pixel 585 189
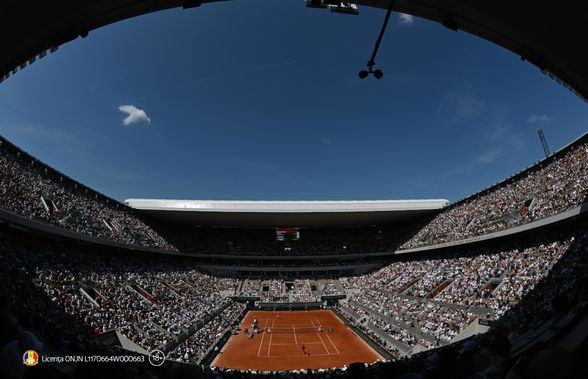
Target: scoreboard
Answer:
pixel 287 234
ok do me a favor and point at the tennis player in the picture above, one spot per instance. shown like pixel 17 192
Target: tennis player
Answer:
pixel 303 347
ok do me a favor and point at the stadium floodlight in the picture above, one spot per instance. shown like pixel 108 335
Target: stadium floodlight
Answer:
pixel 344 7
pixel 191 4
pixel 315 4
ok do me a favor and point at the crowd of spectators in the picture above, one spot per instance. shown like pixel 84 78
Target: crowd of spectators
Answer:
pixel 195 347
pixel 330 287
pixel 483 355
pixel 289 290
pixel 480 283
pixel 566 284
pixel 87 293
pixel 415 318
pixel 29 190
pixel 276 292
pixel 65 295
pixel 366 321
pixel 303 292
pixel 24 308
pixel 250 287
pixel 153 306
pixel 150 305
pixel 541 191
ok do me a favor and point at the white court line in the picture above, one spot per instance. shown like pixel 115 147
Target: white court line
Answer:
pixel 262 337
pixel 321 338
pixel 329 337
pixel 298 327
pixel 292 344
pixel 271 335
pixel 296 356
pixel 295 339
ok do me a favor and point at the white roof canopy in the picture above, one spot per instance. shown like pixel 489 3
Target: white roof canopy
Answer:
pixel 285 213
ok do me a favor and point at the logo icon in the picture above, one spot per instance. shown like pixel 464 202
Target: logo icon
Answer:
pixel 30 358
pixel 156 357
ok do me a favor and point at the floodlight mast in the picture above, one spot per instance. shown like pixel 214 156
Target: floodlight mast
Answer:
pixel 544 143
pixel 372 62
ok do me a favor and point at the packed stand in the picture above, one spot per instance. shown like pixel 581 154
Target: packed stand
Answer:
pixel 566 286
pixel 195 347
pixel 250 287
pixel 151 306
pixel 29 190
pixel 544 190
pixel 330 287
pixel 302 292
pixel 480 283
pixel 275 292
pixel 398 333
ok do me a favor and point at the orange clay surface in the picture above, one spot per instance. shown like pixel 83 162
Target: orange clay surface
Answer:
pixel 283 351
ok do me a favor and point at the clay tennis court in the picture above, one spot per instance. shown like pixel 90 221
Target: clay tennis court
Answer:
pixel 278 346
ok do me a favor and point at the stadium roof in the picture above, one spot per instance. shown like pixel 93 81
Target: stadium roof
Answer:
pixel 285 213
pixel 547 34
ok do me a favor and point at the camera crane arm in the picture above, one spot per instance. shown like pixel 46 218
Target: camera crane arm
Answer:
pixel 377 73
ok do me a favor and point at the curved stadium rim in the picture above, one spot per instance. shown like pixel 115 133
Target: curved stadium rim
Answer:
pixel 531 29
pixel 542 40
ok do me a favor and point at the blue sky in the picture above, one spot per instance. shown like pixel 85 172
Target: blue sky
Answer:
pixel 261 100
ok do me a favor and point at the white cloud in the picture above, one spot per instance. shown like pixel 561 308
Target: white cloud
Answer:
pixel 135 115
pixel 536 118
pixel 406 19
